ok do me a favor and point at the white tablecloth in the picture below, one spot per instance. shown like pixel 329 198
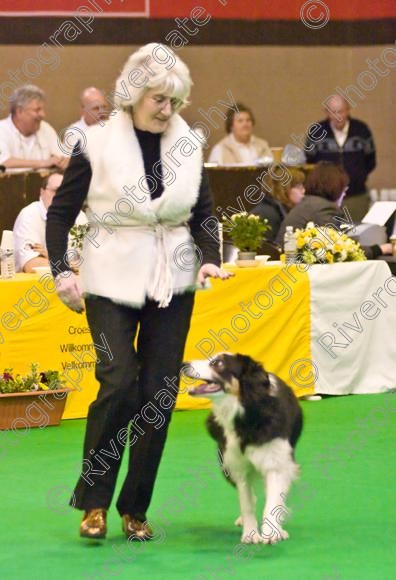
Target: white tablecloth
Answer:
pixel 355 304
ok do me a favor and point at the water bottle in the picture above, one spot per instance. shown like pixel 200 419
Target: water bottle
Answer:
pixel 290 245
pixel 7 255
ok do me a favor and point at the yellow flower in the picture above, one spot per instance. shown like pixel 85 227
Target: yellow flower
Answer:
pixel 326 243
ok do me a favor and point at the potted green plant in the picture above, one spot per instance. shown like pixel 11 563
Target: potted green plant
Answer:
pixel 247 232
pixel 24 399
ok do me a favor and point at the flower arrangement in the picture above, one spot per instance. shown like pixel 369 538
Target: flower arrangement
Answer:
pixel 77 234
pixel 317 245
pixel 246 230
pixel 33 381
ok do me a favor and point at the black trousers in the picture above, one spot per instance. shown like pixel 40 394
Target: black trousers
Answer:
pixel 129 383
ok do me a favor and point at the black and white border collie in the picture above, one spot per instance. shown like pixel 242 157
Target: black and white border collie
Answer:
pixel 256 420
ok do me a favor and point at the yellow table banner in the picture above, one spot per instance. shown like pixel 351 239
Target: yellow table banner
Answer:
pixel 35 326
pixel 263 312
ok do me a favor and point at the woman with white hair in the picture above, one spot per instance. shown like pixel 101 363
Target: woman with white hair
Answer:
pixel 147 197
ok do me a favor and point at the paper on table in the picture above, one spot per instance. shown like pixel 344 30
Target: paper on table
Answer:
pixel 379 213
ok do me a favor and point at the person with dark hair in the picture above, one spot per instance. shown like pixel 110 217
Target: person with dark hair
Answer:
pixel 281 195
pixel 138 279
pixel 349 143
pixel 325 189
pixel 240 146
pixel 29 228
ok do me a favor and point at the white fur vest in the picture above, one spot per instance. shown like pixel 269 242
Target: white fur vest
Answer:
pixel 139 247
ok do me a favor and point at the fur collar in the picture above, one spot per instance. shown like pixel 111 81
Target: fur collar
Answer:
pixel 119 174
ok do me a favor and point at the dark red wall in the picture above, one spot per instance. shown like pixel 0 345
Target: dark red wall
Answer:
pixel 223 9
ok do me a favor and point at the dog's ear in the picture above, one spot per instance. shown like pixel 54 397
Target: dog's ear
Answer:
pixel 253 379
pixel 250 368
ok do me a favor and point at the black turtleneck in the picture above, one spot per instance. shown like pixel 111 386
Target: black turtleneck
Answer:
pixel 150 144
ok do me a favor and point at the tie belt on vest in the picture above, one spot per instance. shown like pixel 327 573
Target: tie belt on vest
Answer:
pixel 161 286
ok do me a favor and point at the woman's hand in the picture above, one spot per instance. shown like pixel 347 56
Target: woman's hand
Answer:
pixel 212 271
pixel 42 251
pixel 69 291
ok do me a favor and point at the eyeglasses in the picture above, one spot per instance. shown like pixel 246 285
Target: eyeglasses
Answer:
pixel 161 101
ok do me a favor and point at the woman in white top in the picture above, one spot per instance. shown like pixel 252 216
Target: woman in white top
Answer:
pixel 135 277
pixel 240 146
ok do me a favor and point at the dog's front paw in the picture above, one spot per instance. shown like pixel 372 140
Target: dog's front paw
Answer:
pixel 251 537
pixel 275 537
pixel 284 534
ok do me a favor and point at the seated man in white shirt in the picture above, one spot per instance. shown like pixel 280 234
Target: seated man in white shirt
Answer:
pixel 29 228
pixel 240 146
pixel 94 109
pixel 26 140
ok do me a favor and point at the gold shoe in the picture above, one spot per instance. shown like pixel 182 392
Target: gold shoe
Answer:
pixel 136 528
pixel 93 524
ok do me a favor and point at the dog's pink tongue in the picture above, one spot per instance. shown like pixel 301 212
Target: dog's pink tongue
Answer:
pixel 204 389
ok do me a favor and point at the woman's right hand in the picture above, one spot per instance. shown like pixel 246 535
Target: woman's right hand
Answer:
pixel 69 291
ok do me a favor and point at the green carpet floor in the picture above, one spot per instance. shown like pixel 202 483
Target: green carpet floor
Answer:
pixel 343 523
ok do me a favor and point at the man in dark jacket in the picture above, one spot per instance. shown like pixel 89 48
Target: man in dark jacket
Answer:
pixel 347 142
